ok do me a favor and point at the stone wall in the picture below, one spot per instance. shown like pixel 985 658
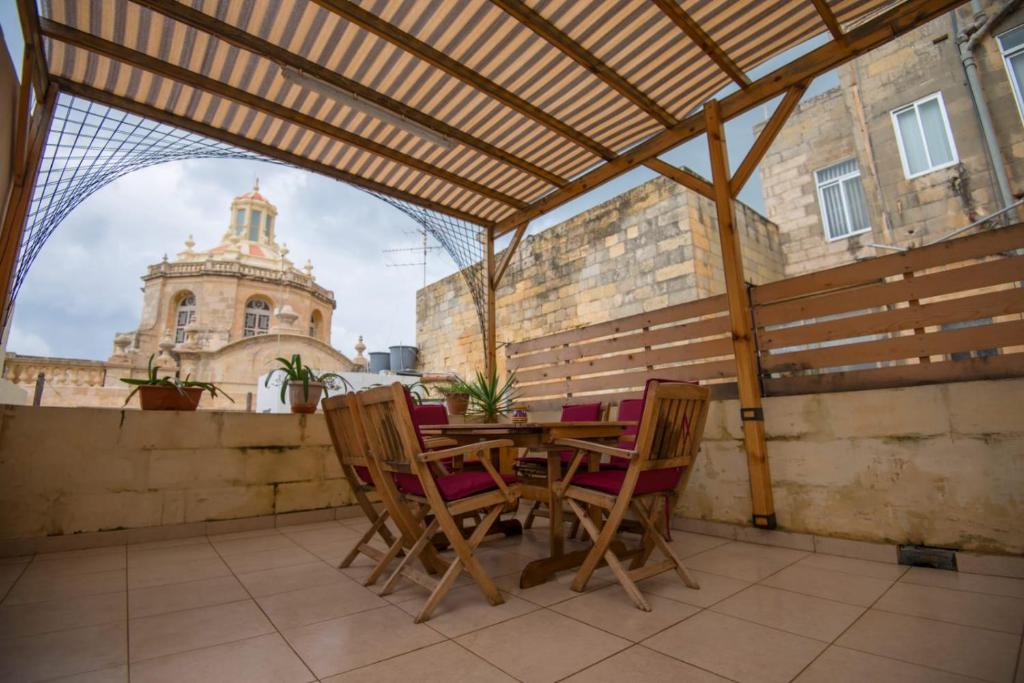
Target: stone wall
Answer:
pixel 653 246
pixel 854 122
pixel 75 470
pixel 939 465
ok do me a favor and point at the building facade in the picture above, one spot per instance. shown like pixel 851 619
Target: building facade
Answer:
pixel 221 315
pixel 896 156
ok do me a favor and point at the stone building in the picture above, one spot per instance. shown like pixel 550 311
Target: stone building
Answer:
pixel 653 246
pixel 896 155
pixel 221 315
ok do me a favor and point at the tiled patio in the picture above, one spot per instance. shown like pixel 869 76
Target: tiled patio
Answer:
pixel 270 606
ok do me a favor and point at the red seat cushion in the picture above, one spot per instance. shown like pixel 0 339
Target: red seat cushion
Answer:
pixel 610 481
pixel 454 486
pixel 630 410
pixel 364 474
pixel 579 412
pixel 427 414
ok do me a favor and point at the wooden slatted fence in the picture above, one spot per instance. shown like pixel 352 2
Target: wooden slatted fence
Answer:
pixel 946 312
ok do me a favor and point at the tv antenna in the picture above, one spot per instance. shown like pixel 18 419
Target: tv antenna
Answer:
pixel 423 250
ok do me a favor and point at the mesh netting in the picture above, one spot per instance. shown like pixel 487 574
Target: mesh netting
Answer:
pixel 90 145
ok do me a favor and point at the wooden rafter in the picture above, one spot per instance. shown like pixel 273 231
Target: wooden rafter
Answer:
pixel 551 33
pixel 701 38
pixel 878 31
pixel 829 17
pixel 767 136
pixel 491 326
pixel 510 251
pixel 29 17
pixel 141 60
pixel 682 176
pixel 163 116
pixel 251 43
pixel 383 29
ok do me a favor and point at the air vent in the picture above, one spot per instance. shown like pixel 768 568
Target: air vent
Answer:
pixel 927 556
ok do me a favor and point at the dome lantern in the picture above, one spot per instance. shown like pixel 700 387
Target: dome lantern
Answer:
pixel 253 217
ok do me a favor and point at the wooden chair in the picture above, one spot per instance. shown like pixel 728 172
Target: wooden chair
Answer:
pixel 396 447
pixel 346 427
pixel 578 412
pixel 667 443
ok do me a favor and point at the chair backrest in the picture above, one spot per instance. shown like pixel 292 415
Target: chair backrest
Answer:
pixel 630 410
pixel 671 427
pixel 346 430
pixel 393 438
pixel 581 412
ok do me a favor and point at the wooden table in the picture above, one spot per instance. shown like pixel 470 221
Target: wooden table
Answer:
pixel 539 436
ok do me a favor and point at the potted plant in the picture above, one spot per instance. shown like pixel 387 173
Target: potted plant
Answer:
pixel 303 385
pixel 456 395
pixel 170 392
pixel 490 397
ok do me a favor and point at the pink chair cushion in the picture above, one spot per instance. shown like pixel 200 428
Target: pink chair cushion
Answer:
pixel 412 411
pixel 428 414
pixel 454 486
pixel 364 474
pixel 579 412
pixel 610 481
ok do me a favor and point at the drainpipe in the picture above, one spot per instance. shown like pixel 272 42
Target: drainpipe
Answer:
pixel 967 40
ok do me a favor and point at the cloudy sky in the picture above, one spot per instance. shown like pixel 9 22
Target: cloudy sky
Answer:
pixel 84 286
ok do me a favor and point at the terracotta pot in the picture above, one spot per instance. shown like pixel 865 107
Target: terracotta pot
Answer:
pixel 457 403
pixel 299 402
pixel 155 397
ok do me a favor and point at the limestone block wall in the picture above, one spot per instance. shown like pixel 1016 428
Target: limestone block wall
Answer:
pixel 854 122
pixel 939 465
pixel 75 470
pixel 653 246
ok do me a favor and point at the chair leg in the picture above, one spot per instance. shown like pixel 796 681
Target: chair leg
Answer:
pixel 646 518
pixel 413 553
pixel 528 524
pixel 465 561
pixel 669 554
pixel 378 525
pixel 602 545
pixel 602 540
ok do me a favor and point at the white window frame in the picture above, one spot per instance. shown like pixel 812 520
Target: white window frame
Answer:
pixel 1007 54
pixel 949 136
pixel 187 307
pixel 260 311
pixel 846 203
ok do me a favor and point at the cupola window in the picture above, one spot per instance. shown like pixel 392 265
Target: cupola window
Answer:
pixel 255 217
pixel 240 222
pixel 186 314
pixel 257 317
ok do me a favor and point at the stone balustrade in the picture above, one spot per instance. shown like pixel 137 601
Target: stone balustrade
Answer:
pixel 66 372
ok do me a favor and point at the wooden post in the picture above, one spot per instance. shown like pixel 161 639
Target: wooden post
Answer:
pixel 37 397
pixel 21 198
pixel 490 341
pixel 747 372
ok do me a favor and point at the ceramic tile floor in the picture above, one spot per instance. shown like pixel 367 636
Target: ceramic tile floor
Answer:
pixel 271 606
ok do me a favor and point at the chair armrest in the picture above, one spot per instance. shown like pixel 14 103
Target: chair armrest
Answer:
pixel 432 442
pixel 465 449
pixel 593 447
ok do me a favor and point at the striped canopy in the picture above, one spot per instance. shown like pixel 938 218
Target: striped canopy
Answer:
pixel 520 100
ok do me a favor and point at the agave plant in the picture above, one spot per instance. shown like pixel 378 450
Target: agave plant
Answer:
pixel 294 371
pixel 153 380
pixel 489 396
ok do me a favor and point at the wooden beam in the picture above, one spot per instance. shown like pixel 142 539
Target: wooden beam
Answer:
pixel 147 111
pixel 384 29
pixel 551 33
pixel 22 123
pixel 491 328
pixel 21 199
pixel 510 251
pixel 747 370
pixel 682 176
pixel 115 51
pixel 264 48
pixel 767 137
pixel 700 37
pixel 39 73
pixel 829 17
pixel 902 18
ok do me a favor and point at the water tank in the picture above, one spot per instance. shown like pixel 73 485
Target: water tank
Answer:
pixel 403 358
pixel 379 360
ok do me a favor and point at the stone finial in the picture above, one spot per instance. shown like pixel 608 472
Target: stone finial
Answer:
pixel 256 185
pixel 284 249
pixel 309 269
pixel 164 259
pixel 360 359
pixel 121 344
pixel 164 359
pixel 284 319
pixel 189 243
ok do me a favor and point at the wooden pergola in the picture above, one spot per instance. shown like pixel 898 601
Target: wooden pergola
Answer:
pixel 491 111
